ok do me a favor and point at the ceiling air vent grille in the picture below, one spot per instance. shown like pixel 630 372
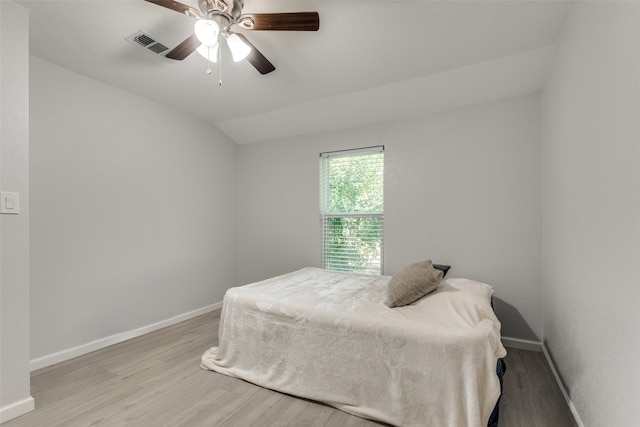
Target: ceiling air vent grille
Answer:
pixel 144 40
pixel 158 48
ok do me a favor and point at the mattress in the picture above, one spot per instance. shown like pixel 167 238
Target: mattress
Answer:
pixel 327 336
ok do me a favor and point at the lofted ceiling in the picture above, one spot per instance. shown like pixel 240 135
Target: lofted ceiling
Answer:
pixel 370 61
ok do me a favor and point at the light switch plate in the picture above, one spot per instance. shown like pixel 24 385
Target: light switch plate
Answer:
pixel 9 203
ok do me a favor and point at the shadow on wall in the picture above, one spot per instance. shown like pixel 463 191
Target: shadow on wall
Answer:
pixel 513 324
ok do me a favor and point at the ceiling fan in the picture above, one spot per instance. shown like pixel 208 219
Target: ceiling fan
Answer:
pixel 215 19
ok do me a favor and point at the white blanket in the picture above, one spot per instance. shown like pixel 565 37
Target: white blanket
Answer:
pixel 327 336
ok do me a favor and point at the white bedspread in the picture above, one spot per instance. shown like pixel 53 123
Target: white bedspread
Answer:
pixel 327 336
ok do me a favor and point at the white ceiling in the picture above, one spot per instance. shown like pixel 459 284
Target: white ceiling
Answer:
pixel 371 61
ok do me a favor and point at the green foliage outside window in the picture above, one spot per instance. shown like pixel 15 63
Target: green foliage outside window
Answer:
pixel 355 244
pixel 353 209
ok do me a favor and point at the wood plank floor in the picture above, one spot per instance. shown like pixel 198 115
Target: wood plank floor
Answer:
pixel 155 380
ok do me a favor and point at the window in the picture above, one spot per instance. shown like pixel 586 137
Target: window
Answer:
pixel 352 208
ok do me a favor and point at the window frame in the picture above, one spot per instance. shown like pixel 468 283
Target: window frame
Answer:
pixel 326 215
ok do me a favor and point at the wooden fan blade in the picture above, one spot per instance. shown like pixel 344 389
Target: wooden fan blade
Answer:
pixel 177 6
pixel 257 59
pixel 184 49
pixel 295 21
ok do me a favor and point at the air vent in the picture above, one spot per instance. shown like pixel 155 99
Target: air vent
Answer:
pixel 147 42
pixel 143 39
pixel 157 48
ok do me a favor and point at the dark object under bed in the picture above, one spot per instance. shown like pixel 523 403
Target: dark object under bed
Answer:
pixel 501 368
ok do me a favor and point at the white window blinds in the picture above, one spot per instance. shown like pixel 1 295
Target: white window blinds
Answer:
pixel 352 208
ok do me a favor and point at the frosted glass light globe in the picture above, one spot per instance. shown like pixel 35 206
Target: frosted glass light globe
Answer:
pixel 239 49
pixel 209 52
pixel 207 31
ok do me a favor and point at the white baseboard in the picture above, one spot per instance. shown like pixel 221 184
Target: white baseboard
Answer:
pixel 567 399
pixel 15 409
pixel 538 346
pixel 521 344
pixel 61 356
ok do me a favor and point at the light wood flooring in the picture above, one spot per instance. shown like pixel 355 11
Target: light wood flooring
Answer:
pixel 155 380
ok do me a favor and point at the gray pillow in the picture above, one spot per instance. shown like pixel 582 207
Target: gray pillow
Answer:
pixel 412 283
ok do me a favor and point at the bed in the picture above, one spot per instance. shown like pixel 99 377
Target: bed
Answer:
pixel 328 336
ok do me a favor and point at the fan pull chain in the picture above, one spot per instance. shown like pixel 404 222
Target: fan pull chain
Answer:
pixel 219 53
pixel 208 62
pixel 209 71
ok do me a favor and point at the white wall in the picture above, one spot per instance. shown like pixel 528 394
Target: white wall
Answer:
pixel 591 212
pixel 133 216
pixel 15 396
pixel 461 187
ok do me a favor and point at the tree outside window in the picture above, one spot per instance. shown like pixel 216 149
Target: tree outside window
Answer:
pixel 352 208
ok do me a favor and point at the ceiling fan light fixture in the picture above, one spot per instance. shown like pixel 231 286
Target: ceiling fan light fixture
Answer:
pixel 239 49
pixel 209 53
pixel 207 31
